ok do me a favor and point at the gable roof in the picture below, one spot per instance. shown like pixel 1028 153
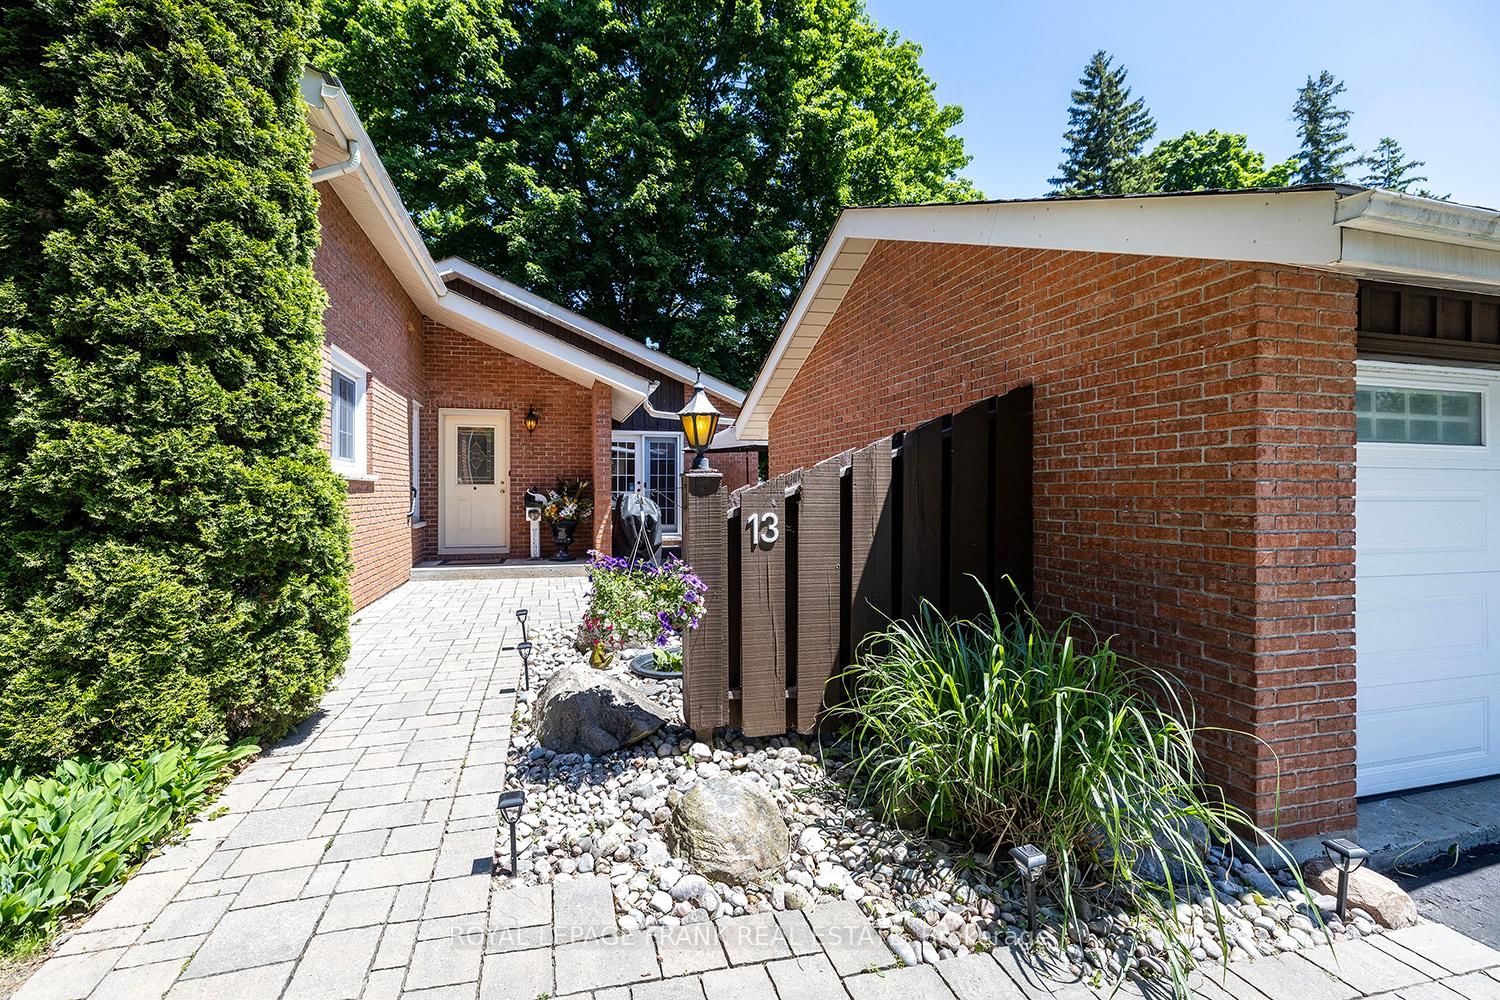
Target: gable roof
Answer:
pixel 349 163
pixel 1341 228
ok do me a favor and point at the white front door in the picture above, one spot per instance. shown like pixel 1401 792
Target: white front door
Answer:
pixel 474 481
pixel 1427 575
pixel 651 464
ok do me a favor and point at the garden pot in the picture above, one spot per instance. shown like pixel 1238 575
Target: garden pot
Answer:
pixel 562 536
pixel 643 665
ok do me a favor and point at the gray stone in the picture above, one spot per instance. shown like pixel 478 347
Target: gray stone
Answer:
pixel 749 982
pixel 334 966
pixel 517 974
pixel 686 951
pixel 978 977
pixel 264 983
pixel 753 938
pixel 730 829
pixel 69 977
pixel 145 982
pixel 1444 947
pixel 584 711
pixel 810 978
pixel 259 936
pixel 919 983
pixel 852 944
pixel 1369 890
pixel 605 961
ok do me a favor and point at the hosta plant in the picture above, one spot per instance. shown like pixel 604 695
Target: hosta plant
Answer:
pixel 1002 731
pixel 68 839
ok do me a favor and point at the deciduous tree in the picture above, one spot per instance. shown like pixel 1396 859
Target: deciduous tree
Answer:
pixel 1195 161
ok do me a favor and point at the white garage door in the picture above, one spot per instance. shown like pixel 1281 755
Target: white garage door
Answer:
pixel 1427 575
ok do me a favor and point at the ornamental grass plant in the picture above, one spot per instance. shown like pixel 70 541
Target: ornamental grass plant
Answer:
pixel 1001 731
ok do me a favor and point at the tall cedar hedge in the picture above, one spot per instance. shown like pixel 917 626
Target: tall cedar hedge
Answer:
pixel 174 553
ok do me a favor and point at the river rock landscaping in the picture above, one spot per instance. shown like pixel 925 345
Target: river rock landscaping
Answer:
pixel 622 814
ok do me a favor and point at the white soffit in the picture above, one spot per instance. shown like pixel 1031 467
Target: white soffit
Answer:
pixel 1366 234
pixel 371 198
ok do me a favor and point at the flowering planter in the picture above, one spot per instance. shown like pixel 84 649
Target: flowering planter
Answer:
pixel 642 665
pixel 562 536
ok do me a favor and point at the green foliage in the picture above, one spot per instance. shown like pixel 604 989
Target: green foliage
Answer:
pixel 1005 732
pixel 174 552
pixel 1212 160
pixel 1386 166
pixel 68 840
pixel 667 660
pixel 647 603
pixel 668 169
pixel 1323 127
pixel 1106 130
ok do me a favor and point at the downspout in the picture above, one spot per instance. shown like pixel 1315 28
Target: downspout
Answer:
pixel 333 170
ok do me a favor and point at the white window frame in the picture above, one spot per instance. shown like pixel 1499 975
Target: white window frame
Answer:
pixel 1486 382
pixel 347 366
pixel 638 439
pixel 416 465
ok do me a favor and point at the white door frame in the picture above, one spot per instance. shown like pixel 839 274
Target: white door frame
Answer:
pixel 638 438
pixel 501 419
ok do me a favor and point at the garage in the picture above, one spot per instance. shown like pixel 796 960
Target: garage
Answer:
pixel 1427 575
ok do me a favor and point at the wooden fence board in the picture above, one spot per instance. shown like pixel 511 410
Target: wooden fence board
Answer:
pixel 763 625
pixel 705 670
pixel 1013 510
pixel 818 613
pixel 922 517
pixel 971 510
pixel 870 530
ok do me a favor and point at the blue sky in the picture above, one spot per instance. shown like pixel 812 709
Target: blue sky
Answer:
pixel 1426 73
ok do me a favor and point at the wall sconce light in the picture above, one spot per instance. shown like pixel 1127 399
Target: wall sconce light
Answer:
pixel 512 801
pixel 524 648
pixel 531 419
pixel 1348 857
pixel 1030 860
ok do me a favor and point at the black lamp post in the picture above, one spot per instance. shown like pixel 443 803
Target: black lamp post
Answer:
pixel 1348 857
pixel 512 801
pixel 699 422
pixel 1029 861
pixel 524 648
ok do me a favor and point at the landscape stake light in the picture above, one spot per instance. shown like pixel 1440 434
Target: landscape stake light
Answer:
pixel 521 617
pixel 524 648
pixel 1348 857
pixel 699 422
pixel 512 801
pixel 1029 861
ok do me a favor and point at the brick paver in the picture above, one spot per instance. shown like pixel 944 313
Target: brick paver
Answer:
pixel 353 862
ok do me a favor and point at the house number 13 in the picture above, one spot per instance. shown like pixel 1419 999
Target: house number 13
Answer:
pixel 764 529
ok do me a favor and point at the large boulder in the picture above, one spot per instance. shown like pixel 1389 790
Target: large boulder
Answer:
pixel 584 711
pixel 730 829
pixel 1369 890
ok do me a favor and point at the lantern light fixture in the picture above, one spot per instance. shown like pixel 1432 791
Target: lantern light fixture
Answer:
pixel 1348 857
pixel 524 648
pixel 700 421
pixel 512 802
pixel 521 614
pixel 1030 861
pixel 531 419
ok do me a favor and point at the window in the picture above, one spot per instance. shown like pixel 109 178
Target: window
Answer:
pixel 416 462
pixel 346 414
pixel 650 464
pixel 476 456
pixel 1414 415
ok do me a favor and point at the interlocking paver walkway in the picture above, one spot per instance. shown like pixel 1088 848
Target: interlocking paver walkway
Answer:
pixel 353 862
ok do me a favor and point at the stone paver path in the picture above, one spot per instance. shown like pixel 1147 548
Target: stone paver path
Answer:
pixel 353 862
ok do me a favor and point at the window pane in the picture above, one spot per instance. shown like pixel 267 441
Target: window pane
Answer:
pixel 343 417
pixel 622 467
pixel 476 456
pixel 1418 416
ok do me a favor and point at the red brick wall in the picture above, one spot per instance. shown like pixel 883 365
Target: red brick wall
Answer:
pixel 1194 449
pixel 371 318
pixel 465 373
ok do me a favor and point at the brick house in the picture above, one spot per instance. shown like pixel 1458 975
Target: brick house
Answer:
pixel 1230 389
pixel 431 368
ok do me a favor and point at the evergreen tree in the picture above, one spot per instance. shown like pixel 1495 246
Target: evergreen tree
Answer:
pixel 1323 128
pixel 1387 167
pixel 1106 130
pixel 668 169
pixel 174 552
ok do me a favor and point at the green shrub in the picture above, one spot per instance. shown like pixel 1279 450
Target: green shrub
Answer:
pixel 174 552
pixel 69 839
pixel 1002 732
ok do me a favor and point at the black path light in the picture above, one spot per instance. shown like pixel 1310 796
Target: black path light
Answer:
pixel 512 801
pixel 700 421
pixel 521 614
pixel 1348 857
pixel 1030 860
pixel 524 648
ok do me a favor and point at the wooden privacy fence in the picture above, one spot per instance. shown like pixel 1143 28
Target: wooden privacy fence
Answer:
pixel 801 567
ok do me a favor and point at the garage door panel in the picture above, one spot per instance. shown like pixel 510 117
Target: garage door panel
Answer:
pixel 1427 580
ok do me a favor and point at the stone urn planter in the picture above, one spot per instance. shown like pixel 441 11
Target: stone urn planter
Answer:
pixel 644 665
pixel 562 536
